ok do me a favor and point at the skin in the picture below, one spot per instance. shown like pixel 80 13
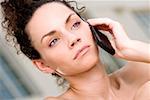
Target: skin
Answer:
pixel 86 74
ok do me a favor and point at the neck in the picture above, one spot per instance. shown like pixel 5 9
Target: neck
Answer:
pixel 94 82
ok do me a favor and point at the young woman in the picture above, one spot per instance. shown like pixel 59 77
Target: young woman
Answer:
pixel 58 41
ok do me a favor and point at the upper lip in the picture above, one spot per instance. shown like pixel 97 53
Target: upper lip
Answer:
pixel 80 50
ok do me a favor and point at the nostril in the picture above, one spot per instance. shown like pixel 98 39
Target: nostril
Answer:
pixel 72 44
pixel 78 40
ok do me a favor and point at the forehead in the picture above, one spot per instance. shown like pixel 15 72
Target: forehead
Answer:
pixel 47 17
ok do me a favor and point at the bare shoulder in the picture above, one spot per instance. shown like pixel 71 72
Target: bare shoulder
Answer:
pixel 51 98
pixel 135 73
pixel 143 92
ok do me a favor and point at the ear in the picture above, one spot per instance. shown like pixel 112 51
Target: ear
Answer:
pixel 41 66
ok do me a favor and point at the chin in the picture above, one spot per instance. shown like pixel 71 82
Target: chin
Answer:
pixel 89 63
pixel 86 62
pixel 93 61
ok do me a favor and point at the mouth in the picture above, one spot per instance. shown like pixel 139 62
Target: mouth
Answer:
pixel 81 51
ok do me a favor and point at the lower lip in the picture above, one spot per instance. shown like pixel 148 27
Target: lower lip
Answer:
pixel 82 53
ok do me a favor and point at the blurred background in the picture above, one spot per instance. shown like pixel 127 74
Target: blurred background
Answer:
pixel 20 80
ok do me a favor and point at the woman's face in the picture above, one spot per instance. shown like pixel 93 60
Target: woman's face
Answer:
pixel 62 38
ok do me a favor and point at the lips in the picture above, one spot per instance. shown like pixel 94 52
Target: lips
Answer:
pixel 82 50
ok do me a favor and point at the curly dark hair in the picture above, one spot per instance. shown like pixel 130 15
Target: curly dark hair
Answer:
pixel 17 13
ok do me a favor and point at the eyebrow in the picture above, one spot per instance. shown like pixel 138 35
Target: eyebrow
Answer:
pixel 52 32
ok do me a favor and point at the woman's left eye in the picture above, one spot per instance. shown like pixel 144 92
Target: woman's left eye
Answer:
pixel 76 25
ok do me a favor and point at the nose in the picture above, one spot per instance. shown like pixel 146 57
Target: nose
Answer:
pixel 72 39
pixel 73 42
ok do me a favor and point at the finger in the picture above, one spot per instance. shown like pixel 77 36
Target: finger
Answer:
pixel 105 28
pixel 113 27
pixel 100 21
pixel 104 24
pixel 117 53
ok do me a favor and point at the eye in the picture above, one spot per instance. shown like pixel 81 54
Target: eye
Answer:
pixel 76 25
pixel 53 42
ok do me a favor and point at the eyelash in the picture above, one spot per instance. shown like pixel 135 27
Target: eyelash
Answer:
pixel 76 23
pixel 54 40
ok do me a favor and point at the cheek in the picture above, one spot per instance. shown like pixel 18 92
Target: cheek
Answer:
pixel 88 36
pixel 87 32
pixel 57 57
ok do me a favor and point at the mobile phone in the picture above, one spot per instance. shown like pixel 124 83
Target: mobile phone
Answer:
pixel 102 40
